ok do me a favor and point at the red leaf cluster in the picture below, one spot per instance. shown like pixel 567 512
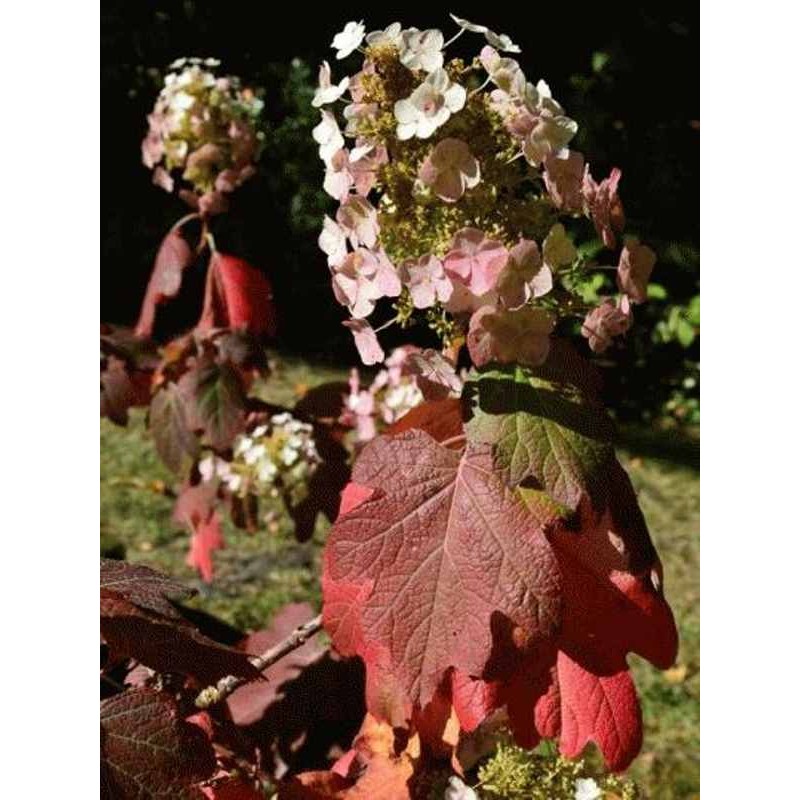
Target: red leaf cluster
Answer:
pixel 443 578
pixel 173 257
pixel 147 751
pixel 139 620
pixel 237 296
pixel 126 370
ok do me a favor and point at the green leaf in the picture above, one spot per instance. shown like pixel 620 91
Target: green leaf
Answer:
pixel 169 424
pixel 215 402
pixel 599 60
pixel 693 311
pixel 545 425
pixel 685 332
pixel 655 291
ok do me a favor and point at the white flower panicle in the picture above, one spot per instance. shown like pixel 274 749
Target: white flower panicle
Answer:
pixel 203 134
pixel 455 198
pixel 276 457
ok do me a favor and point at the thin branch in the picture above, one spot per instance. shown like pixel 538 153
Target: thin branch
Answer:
pixel 216 694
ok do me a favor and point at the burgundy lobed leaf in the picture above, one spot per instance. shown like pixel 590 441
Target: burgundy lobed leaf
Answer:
pixel 237 296
pixel 215 402
pixel 168 420
pixel 147 752
pixel 577 688
pixel 138 621
pixel 146 588
pixel 442 419
pixel 127 364
pixel 441 566
pixel 121 389
pixel 195 509
pixel 173 257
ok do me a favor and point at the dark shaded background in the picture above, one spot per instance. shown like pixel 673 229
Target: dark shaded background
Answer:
pixel 628 75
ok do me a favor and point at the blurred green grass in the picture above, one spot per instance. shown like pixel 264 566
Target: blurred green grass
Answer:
pixel 257 574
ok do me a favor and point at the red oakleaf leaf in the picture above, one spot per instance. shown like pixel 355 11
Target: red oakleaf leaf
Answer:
pixel 442 419
pixel 578 689
pixel 173 257
pixel 137 620
pixel 195 509
pixel 168 420
pixel 206 538
pixel 121 389
pixel 146 588
pixel 215 402
pixel 237 296
pixel 598 708
pixel 442 566
pixel 148 752
pixel 378 767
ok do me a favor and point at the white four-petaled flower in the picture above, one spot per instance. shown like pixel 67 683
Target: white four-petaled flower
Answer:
pixel 450 169
pixel 390 36
pixel 348 39
pixel 328 92
pixel 422 49
pixel 429 106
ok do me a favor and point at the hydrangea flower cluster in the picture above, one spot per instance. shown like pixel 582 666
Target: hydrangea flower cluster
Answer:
pixel 276 458
pixel 203 131
pixel 455 181
pixel 391 395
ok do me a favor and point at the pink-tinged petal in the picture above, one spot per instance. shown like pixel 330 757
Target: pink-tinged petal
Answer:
pixel 542 282
pixel 458 264
pixel 359 219
pixel 426 281
pixel 345 289
pixel 479 341
pixel 563 177
pixel 462 299
pixel 163 179
pixel 605 322
pixel 523 269
pixel 386 278
pixel 636 264
pixel 475 260
pixel 365 170
pixel 450 169
pixel 602 203
pixel 487 267
pixel 366 341
pixel 436 375
pixel 510 336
